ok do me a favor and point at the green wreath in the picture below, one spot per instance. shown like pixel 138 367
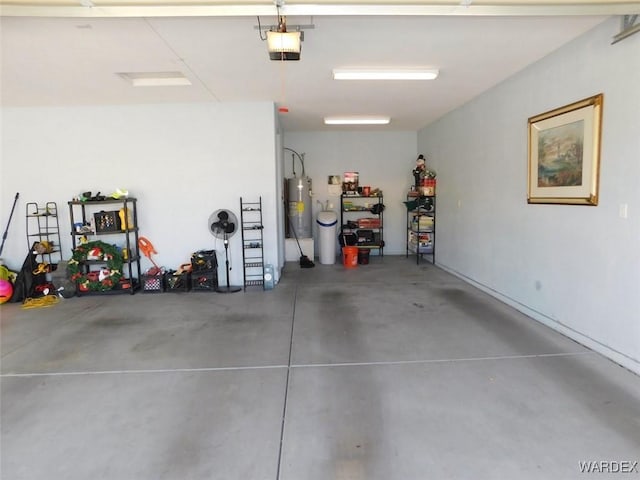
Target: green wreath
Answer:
pixel 110 254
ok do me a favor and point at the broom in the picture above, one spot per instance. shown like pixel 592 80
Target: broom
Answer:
pixel 4 237
pixel 305 262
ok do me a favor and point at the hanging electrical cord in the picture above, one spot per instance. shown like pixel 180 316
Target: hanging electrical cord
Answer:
pixel 263 38
pixel 300 157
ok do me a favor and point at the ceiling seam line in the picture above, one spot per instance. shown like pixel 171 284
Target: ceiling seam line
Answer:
pixel 182 60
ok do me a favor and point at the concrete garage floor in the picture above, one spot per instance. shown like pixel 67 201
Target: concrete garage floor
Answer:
pixel 387 371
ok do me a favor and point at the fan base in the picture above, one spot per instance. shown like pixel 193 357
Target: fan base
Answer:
pixel 231 289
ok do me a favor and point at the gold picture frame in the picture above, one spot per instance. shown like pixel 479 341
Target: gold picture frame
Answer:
pixel 564 154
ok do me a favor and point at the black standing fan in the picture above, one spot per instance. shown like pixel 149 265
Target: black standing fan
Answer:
pixel 223 224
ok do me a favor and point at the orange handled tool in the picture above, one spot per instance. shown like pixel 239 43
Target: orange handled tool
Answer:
pixel 147 249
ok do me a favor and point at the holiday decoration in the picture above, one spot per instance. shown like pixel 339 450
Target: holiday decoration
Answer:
pixel 94 254
pixel 425 179
pixel 107 277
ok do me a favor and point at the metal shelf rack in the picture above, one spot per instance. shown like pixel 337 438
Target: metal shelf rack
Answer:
pixel 252 243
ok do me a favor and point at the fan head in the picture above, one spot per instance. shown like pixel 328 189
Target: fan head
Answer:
pixel 222 223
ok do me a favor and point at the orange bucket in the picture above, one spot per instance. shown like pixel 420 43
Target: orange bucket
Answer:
pixel 350 257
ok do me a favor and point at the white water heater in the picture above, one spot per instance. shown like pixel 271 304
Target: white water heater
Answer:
pixel 299 189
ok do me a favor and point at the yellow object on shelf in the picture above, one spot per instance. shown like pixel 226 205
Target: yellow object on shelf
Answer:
pixel 126 223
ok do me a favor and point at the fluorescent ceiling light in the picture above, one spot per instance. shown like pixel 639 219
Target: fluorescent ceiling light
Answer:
pixel 156 79
pixel 385 74
pixel 355 120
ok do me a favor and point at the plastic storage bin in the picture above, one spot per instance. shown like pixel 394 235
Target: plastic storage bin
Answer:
pixel 152 283
pixel 204 260
pixel 106 221
pixel 204 280
pixel 177 282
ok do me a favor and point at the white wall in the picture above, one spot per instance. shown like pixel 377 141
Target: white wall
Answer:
pixel 383 159
pixel 280 197
pixel 576 268
pixel 181 161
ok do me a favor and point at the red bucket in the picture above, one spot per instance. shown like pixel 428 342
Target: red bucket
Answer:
pixel 350 257
pixel 363 256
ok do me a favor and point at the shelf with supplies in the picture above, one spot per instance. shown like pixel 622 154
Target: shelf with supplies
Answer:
pixel 43 239
pixel 43 232
pixel 362 221
pixel 253 244
pixel 421 226
pixel 96 259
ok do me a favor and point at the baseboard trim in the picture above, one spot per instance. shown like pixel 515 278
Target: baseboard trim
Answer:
pixel 620 358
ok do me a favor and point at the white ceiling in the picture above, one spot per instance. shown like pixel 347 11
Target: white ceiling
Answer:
pixel 75 61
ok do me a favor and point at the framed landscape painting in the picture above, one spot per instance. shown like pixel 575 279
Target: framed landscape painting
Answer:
pixel 564 154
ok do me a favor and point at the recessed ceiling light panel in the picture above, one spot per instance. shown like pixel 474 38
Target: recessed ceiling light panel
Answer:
pixel 385 74
pixel 155 79
pixel 357 120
